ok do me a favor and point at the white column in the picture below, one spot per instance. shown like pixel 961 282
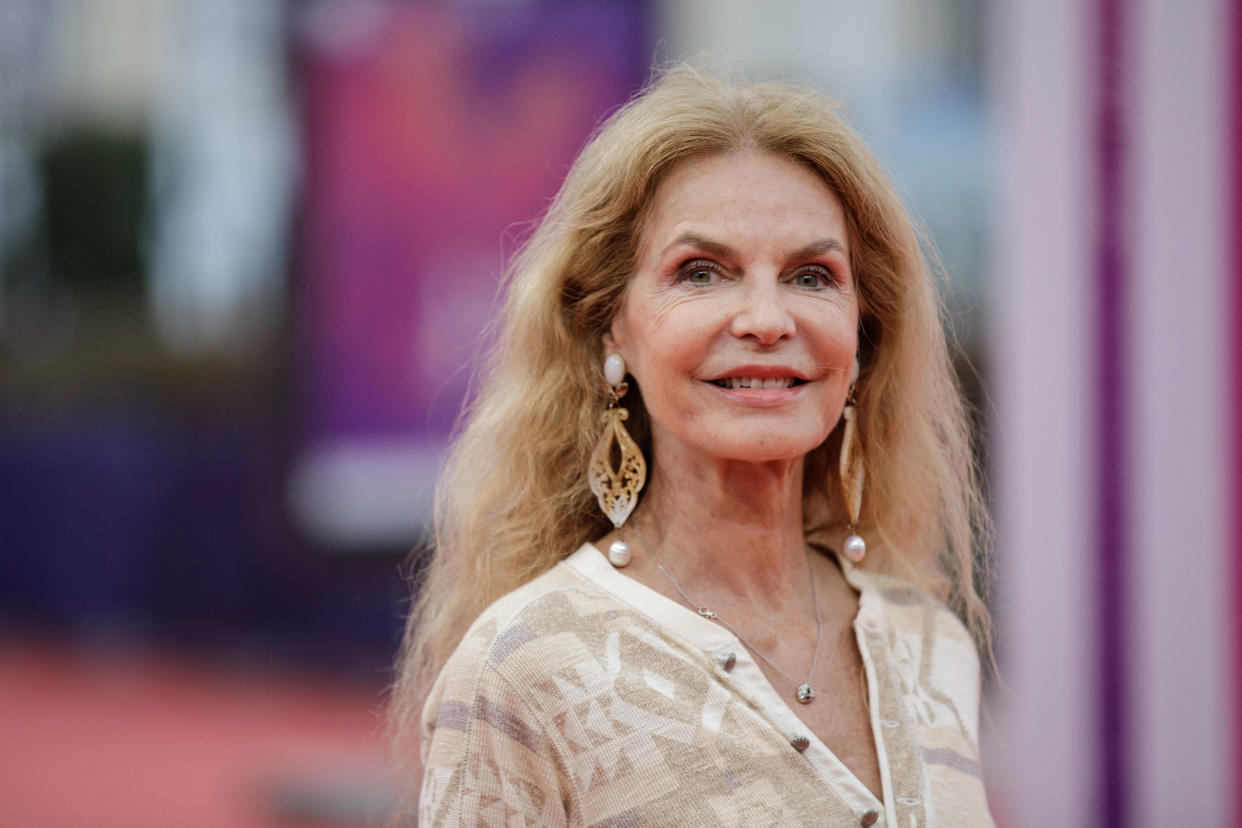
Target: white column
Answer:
pixel 1179 172
pixel 224 161
pixel 1040 757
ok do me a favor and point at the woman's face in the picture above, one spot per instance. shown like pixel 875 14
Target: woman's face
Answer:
pixel 740 322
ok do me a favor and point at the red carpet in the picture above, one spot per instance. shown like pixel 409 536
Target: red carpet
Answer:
pixel 141 740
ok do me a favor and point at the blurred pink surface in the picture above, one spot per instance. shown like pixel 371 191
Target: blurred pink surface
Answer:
pixel 139 739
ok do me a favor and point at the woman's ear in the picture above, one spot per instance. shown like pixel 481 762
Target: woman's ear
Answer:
pixel 616 337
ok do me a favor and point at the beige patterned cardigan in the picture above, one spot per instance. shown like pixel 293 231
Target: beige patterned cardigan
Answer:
pixel 585 698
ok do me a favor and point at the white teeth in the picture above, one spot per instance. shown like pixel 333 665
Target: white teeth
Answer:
pixel 757 382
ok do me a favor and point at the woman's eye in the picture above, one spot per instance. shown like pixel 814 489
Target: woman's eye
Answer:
pixel 698 274
pixel 812 279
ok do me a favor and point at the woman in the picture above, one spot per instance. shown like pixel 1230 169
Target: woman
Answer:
pixel 726 610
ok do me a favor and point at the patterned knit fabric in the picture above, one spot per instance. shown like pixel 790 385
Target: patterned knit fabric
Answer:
pixel 585 698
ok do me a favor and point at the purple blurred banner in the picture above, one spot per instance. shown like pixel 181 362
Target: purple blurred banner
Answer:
pixel 434 134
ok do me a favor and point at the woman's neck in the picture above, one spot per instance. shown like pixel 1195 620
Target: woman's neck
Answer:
pixel 727 527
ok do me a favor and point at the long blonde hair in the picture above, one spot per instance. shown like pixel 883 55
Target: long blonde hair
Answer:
pixel 514 498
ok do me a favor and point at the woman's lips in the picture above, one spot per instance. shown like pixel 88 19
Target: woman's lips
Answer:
pixel 757 383
pixel 776 391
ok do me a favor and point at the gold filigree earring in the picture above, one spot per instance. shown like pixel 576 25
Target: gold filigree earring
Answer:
pixel 852 473
pixel 616 489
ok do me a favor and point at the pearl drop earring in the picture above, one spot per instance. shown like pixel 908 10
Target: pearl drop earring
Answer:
pixel 616 489
pixel 852 473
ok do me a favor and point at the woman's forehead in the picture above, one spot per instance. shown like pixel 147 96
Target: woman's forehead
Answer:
pixel 728 199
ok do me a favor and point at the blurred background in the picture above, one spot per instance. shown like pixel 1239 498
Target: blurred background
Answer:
pixel 246 250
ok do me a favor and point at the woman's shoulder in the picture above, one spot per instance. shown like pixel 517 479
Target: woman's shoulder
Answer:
pixel 934 654
pixel 480 714
pixel 526 656
pixel 922 629
pixel 907 608
pixel 548 619
pixel 542 606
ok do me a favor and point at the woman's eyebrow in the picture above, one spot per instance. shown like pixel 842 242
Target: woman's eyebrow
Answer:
pixel 819 248
pixel 715 248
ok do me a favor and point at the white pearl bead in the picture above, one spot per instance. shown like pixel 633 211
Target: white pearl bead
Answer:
pixel 614 369
pixel 855 548
pixel 619 553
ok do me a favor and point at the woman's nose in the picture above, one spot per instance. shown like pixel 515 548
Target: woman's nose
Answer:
pixel 763 315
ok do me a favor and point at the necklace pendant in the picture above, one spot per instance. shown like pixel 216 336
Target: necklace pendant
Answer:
pixel 805 694
pixel 706 613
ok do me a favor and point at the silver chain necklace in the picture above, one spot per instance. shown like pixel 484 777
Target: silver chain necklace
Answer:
pixel 804 693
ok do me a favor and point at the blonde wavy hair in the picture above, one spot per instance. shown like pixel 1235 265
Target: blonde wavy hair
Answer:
pixel 514 500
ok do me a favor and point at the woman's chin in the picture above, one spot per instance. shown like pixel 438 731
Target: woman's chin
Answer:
pixel 759 449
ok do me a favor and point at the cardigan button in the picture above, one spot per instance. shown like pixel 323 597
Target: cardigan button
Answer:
pixel 869 622
pixel 800 743
pixel 869 818
pixel 727 662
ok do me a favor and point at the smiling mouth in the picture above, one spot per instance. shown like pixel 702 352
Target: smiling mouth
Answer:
pixel 757 382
